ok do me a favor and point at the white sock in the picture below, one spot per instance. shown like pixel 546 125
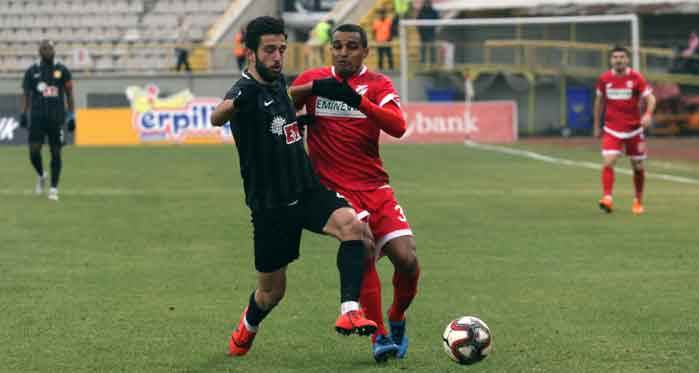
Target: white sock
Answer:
pixel 349 306
pixel 250 328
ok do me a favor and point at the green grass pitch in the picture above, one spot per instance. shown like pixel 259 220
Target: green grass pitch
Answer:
pixel 145 264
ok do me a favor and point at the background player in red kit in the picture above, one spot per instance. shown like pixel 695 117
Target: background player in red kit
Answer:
pixel 351 106
pixel 622 89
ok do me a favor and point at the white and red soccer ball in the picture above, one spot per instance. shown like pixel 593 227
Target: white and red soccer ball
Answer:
pixel 467 340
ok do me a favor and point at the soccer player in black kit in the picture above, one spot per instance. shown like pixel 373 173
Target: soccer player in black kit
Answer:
pixel 48 89
pixel 281 189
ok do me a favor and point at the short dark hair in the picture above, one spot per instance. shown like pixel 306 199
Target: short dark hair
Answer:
pixel 262 26
pixel 619 48
pixel 351 27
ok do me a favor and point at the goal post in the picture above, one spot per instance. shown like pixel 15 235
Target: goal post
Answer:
pixel 631 19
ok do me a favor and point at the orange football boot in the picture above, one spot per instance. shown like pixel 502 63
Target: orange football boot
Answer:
pixel 606 204
pixel 637 207
pixel 241 338
pixel 355 322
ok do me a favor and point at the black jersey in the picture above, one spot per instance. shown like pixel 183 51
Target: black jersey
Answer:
pixel 273 160
pixel 45 85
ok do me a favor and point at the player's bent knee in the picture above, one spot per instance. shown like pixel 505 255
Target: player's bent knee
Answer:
pixel 407 263
pixel 352 230
pixel 344 225
pixel 609 162
pixel 402 253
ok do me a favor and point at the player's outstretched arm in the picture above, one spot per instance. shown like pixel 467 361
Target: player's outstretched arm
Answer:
pixel 70 102
pixel 222 113
pixel 647 118
pixel 24 106
pixel 24 100
pixel 597 114
pixel 389 118
pixel 299 94
pixel 70 97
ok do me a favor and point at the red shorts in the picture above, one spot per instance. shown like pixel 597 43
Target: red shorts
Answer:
pixel 386 217
pixel 635 146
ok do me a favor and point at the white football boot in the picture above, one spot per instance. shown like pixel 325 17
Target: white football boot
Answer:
pixel 53 194
pixel 40 184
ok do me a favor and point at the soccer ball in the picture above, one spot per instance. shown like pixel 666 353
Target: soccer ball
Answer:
pixel 467 340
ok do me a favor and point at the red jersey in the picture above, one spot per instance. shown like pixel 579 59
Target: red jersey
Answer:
pixel 343 144
pixel 622 94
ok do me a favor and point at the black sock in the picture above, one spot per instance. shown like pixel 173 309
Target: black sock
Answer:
pixel 56 164
pixel 350 263
pixel 255 314
pixel 35 158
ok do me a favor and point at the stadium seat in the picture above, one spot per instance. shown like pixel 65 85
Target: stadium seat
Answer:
pixel 106 26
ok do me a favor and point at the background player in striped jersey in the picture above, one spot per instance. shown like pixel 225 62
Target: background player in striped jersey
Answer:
pixel 622 90
pixel 351 106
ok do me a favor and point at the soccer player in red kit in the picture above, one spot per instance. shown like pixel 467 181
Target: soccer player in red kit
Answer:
pixel 351 106
pixel 622 90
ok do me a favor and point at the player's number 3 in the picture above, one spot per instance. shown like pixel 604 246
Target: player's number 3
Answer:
pixel 401 214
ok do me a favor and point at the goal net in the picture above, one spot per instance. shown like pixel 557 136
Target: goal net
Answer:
pixel 547 65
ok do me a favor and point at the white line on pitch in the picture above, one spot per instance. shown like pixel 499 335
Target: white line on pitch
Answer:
pixel 568 162
pixel 119 192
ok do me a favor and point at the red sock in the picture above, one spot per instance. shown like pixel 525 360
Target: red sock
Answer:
pixel 370 296
pixel 607 180
pixel 404 290
pixel 638 179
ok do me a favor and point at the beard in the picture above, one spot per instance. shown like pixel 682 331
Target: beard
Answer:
pixel 267 74
pixel 47 60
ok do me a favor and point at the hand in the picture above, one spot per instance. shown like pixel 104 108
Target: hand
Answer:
pixel 596 132
pixel 305 120
pixel 646 120
pixel 334 90
pixel 70 121
pixel 23 121
pixel 324 87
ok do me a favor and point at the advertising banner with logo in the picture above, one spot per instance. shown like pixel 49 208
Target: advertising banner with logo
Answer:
pixel 451 122
pixel 179 118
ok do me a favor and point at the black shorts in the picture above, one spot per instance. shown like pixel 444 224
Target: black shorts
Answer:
pixel 277 231
pixel 40 130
